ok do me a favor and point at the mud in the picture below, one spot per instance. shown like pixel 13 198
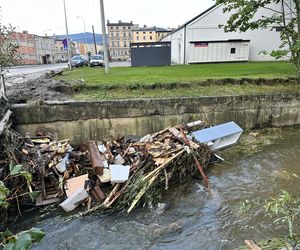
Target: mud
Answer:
pixel 38 88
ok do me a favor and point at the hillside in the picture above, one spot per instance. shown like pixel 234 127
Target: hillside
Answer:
pixel 80 37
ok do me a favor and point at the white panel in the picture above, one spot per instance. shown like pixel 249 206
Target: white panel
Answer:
pixel 219 52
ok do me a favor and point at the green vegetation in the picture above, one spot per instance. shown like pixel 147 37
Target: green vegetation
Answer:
pixel 178 74
pixel 181 81
pixel 22 240
pixel 210 90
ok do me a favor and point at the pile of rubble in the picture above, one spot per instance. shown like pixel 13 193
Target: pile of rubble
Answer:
pixel 119 173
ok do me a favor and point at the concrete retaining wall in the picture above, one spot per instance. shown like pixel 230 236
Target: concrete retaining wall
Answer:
pixel 81 121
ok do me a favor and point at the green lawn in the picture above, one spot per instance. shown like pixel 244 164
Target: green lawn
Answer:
pixel 178 81
pixel 179 74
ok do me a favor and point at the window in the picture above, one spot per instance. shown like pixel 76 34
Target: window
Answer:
pixel 113 43
pixel 232 50
pixel 125 52
pixel 150 32
pixel 118 43
pixel 111 35
pixel 144 32
pixel 117 34
pixel 158 34
pixel 125 44
pixel 137 32
pixel 150 37
pixel 111 28
pixel 124 28
pixel 137 38
pixel 129 27
pixel 124 34
pixel 117 28
pixel 144 38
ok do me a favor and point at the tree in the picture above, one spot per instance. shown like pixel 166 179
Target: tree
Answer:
pixel 284 15
pixel 7 53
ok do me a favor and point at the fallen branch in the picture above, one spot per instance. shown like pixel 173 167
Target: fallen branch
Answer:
pixel 251 245
pixel 4 121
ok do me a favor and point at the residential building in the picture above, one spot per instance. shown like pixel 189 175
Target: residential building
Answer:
pixel 45 49
pixel 61 54
pixel 202 40
pixel 161 33
pixel 149 34
pixel 26 53
pixel 120 37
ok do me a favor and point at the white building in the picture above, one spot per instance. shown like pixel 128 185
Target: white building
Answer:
pixel 201 40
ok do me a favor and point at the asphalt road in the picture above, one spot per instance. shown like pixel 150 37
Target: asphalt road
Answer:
pixel 29 72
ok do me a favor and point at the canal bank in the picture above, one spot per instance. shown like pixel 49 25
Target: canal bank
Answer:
pixel 84 120
pixel 189 217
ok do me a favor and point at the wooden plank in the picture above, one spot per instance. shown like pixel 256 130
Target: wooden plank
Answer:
pixel 96 159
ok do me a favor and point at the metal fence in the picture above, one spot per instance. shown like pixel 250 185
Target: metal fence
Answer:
pixel 150 54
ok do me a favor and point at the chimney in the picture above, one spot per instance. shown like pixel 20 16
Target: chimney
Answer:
pixel 145 26
pixel 107 21
pixel 119 21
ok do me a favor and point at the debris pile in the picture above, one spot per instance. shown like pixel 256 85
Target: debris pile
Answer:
pixel 116 174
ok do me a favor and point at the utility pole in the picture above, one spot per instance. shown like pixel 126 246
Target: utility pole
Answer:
pixel 67 31
pixel 95 45
pixel 85 38
pixel 104 40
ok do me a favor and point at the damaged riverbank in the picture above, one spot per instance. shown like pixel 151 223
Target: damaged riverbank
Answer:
pixel 187 216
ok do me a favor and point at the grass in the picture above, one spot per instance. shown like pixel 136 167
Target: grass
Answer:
pixel 211 90
pixel 178 81
pixel 181 73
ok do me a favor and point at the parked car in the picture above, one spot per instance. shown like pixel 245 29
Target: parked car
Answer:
pixel 96 60
pixel 85 60
pixel 77 61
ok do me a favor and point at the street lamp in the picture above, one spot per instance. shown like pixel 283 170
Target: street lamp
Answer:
pixel 67 32
pixel 104 40
pixel 85 37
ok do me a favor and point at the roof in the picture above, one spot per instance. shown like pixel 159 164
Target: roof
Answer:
pixel 120 23
pixel 157 29
pixel 216 132
pixel 195 18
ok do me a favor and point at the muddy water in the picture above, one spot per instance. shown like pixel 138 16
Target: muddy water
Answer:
pixel 191 218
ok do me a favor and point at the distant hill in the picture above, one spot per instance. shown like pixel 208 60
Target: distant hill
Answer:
pixel 80 37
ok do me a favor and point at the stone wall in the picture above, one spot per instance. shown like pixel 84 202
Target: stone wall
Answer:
pixel 81 121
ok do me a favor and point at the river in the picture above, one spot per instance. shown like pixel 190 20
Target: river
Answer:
pixel 189 217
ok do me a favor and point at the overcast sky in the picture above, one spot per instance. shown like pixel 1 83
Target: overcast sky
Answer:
pixel 39 16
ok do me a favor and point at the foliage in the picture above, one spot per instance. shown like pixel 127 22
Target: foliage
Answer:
pixel 284 15
pixel 22 240
pixel 16 171
pixel 287 207
pixel 7 49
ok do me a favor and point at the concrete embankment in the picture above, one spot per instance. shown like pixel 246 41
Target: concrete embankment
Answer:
pixel 81 121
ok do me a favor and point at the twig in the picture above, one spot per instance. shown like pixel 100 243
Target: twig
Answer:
pixel 142 192
pixel 163 165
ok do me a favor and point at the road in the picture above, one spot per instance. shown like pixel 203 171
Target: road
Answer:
pixel 28 72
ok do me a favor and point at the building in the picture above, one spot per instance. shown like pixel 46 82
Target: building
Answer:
pixel 120 37
pixel 26 53
pixel 161 33
pixel 201 40
pixel 61 54
pixel 45 49
pixel 149 34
